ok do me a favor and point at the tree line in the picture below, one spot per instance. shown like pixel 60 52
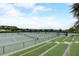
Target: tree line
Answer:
pixel 16 29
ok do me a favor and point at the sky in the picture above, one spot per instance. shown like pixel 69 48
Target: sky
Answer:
pixel 37 15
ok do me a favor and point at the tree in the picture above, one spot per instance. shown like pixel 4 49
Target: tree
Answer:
pixel 75 11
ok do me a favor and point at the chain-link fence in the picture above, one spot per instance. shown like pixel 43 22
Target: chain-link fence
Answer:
pixel 22 41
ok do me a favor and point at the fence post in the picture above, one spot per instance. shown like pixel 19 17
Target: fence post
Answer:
pixel 3 49
pixel 35 40
pixel 23 44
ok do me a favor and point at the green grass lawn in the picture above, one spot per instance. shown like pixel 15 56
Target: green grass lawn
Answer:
pixel 76 38
pixel 69 39
pixel 74 50
pixel 59 39
pixel 40 50
pixel 57 51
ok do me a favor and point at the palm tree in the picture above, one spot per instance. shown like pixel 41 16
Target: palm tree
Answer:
pixel 75 10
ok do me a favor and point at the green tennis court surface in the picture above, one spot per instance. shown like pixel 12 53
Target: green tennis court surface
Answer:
pixel 61 46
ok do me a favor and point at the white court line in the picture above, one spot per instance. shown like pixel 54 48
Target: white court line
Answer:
pixel 48 50
pixel 66 38
pixel 67 49
pixel 33 50
pixel 63 40
pixel 76 42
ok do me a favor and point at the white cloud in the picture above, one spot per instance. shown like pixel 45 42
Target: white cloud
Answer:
pixel 26 5
pixel 69 4
pixel 41 8
pixel 36 22
pixel 33 7
pixel 8 10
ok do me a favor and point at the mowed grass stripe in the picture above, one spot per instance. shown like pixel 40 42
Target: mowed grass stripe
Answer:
pixel 59 39
pixel 48 50
pixel 57 51
pixel 74 50
pixel 69 39
pixel 76 38
pixel 26 50
pixel 32 50
pixel 40 50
